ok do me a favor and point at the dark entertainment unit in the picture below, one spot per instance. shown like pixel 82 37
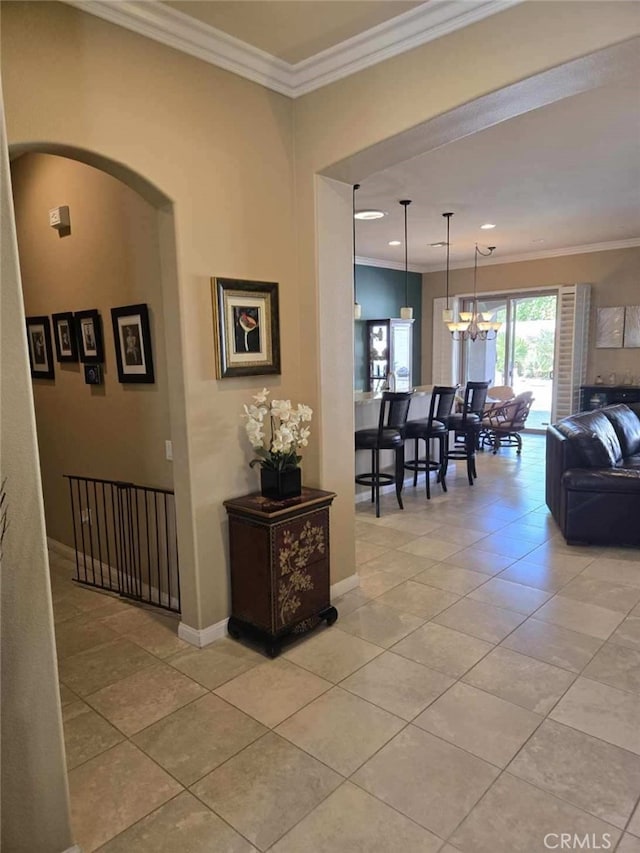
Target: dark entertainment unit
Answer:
pixel 596 396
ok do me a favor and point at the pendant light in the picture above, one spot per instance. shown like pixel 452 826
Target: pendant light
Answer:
pixel 406 312
pixel 475 325
pixel 357 308
pixel 447 314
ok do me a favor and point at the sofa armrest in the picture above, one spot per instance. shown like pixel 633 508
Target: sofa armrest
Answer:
pixel 603 480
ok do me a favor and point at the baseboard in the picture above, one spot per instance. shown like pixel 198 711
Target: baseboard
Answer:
pixel 201 637
pixel 64 551
pixel 71 555
pixel 344 586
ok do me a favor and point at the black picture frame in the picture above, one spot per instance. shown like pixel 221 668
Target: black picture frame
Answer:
pixel 132 341
pixel 89 336
pixel 64 337
pixel 93 374
pixel 246 327
pixel 39 346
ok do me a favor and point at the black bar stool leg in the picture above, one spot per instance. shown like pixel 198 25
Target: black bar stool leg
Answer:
pixel 442 473
pixel 376 476
pixel 373 476
pixel 415 461
pixel 399 474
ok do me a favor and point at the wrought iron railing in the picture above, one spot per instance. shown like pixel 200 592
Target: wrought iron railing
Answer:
pixel 125 539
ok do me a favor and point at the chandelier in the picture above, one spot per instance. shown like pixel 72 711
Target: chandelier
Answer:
pixel 474 325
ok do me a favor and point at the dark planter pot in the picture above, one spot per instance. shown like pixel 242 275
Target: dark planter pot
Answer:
pixel 279 485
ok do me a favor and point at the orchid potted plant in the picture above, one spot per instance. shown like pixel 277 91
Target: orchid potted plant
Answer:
pixel 276 430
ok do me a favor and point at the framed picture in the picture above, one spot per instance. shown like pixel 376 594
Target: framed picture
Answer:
pixel 247 327
pixel 632 326
pixel 64 337
pixel 132 337
pixel 609 328
pixel 40 352
pixel 89 336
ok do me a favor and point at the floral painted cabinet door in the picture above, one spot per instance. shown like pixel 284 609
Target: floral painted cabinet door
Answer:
pixel 279 562
pixel 302 570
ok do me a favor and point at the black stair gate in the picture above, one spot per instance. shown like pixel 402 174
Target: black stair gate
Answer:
pixel 125 539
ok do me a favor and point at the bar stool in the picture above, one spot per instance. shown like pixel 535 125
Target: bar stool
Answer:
pixel 465 426
pixel 434 427
pixel 394 408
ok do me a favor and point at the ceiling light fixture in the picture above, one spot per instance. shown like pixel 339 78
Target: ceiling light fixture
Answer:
pixel 474 325
pixel 406 312
pixel 357 308
pixel 441 244
pixel 369 214
pixel 487 226
pixel 395 242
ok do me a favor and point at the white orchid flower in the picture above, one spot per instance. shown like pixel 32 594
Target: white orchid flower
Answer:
pixel 281 409
pixel 261 396
pixel 257 412
pixel 304 412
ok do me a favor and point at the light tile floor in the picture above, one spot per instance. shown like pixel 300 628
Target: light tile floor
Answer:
pixel 480 691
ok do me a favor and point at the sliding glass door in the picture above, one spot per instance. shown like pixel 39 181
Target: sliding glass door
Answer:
pixel 522 354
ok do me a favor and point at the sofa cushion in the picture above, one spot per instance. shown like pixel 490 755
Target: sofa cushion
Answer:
pixel 595 438
pixel 627 426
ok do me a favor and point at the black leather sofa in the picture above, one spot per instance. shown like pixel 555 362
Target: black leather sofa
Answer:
pixel 593 476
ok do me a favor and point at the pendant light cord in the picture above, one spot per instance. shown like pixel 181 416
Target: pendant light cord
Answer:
pixel 448 217
pixel 353 217
pixel 405 203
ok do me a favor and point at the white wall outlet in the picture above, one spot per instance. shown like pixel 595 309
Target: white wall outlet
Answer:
pixel 86 516
pixel 168 450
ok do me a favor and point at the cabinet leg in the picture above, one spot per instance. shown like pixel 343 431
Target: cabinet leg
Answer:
pixel 232 629
pixel 272 649
pixel 331 615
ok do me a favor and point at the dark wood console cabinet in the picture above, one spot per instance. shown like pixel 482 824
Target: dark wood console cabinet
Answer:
pixel 279 556
pixel 596 396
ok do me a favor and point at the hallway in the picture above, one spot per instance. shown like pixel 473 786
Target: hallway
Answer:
pixel 480 691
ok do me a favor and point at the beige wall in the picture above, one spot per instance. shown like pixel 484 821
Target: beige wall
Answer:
pixel 226 153
pixel 220 149
pixel 111 258
pixel 35 799
pixel 614 277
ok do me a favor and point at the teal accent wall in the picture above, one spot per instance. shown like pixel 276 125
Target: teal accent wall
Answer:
pixel 381 295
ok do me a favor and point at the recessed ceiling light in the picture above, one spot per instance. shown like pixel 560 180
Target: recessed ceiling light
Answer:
pixel 439 245
pixel 539 240
pixel 487 226
pixel 395 243
pixel 369 214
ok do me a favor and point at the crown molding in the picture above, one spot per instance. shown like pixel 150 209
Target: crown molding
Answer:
pixel 175 29
pixel 585 249
pixel 416 27
pixel 182 32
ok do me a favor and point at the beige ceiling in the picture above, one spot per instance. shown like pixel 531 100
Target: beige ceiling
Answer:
pixel 565 175
pixel 293 30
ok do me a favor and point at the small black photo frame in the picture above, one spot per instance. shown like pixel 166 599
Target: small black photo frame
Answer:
pixel 93 374
pixel 64 337
pixel 89 336
pixel 246 327
pixel 132 339
pixel 40 351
